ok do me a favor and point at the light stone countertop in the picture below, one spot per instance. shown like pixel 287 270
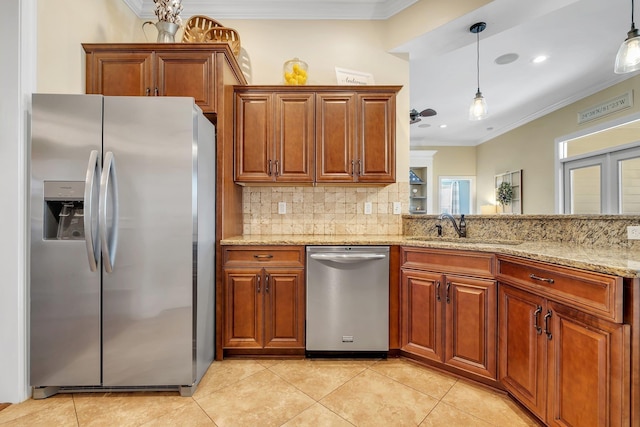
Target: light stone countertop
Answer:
pixel 616 261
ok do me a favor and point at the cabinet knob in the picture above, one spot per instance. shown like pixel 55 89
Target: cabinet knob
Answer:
pixel 148 91
pixel 269 171
pixel 155 92
pixel 262 256
pixel 438 291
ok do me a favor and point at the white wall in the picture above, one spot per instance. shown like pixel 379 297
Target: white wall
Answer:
pixel 17 80
pixel 63 25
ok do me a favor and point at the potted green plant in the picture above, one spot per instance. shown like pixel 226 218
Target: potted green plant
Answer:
pixel 504 195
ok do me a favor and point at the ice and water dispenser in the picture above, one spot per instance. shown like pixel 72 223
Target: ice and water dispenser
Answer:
pixel 64 210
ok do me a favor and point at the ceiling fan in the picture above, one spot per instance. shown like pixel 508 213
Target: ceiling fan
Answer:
pixel 414 115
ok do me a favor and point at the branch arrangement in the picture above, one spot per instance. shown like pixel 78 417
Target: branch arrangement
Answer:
pixel 169 10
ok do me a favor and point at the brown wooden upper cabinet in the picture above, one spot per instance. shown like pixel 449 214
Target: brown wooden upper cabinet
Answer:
pixel 355 137
pixel 322 134
pixel 274 137
pixel 171 69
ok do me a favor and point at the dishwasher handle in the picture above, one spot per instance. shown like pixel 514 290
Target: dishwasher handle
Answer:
pixel 347 258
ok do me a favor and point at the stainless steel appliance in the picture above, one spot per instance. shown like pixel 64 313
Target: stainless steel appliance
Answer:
pixel 347 300
pixel 122 243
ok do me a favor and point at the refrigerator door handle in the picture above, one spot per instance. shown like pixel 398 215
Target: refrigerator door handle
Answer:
pixel 110 242
pixel 93 249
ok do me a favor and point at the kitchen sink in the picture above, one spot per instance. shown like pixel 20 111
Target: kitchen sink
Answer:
pixel 464 240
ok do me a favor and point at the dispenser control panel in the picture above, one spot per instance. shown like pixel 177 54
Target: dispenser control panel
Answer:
pixel 64 210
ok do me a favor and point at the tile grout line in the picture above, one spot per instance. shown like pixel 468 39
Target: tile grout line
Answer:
pixel 419 391
pixel 75 409
pixel 316 401
pixel 205 412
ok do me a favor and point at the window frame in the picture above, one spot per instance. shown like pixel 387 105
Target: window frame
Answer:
pixel 610 174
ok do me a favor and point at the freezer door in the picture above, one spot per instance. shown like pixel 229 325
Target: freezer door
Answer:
pixel 148 291
pixel 66 139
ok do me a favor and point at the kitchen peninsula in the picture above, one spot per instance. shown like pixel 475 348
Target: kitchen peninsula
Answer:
pixel 557 299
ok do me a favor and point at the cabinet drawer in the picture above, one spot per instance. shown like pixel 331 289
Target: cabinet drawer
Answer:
pixel 290 256
pixel 478 264
pixel 595 293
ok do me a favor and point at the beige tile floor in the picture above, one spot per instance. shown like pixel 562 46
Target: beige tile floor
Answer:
pixel 290 393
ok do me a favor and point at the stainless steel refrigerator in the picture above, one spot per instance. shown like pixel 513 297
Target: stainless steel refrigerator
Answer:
pixel 122 243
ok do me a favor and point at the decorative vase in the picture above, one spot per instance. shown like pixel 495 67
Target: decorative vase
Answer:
pixel 166 31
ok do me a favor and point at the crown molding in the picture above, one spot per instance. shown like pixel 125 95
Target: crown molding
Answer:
pixel 135 6
pixel 281 9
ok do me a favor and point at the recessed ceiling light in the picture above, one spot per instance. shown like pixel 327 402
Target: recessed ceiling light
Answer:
pixel 443 126
pixel 540 58
pixel 424 125
pixel 507 58
pixel 490 128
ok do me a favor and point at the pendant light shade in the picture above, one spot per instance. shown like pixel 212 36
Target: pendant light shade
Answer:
pixel 478 109
pixel 628 57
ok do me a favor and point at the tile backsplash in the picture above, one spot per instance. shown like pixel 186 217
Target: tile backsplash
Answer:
pixel 337 210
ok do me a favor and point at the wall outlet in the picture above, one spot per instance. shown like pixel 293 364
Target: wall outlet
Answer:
pixel 282 208
pixel 633 232
pixel 397 208
pixel 367 208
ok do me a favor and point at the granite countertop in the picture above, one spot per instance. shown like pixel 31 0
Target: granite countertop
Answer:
pixel 616 261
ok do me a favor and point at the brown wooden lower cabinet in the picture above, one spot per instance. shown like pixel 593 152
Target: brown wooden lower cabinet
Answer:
pixel 264 300
pixel 568 367
pixel 449 319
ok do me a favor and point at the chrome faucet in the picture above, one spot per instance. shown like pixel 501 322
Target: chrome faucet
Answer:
pixel 462 229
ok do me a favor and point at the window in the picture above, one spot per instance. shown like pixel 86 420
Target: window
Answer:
pixel 457 194
pixel 599 172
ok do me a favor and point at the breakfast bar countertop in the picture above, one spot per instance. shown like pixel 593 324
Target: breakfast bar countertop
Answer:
pixel 609 260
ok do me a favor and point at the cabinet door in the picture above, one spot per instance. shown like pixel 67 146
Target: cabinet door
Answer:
pixel 243 324
pixel 187 74
pixel 376 153
pixel 335 137
pixel 588 379
pixel 254 135
pixel 284 315
pixel 421 314
pixel 522 347
pixel 120 73
pixel 294 137
pixel 470 332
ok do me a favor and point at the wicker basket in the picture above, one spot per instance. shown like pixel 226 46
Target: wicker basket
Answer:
pixel 202 29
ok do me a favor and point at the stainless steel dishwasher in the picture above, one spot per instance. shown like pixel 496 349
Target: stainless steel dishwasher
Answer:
pixel 347 301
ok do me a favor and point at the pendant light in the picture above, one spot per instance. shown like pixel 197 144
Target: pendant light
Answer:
pixel 628 57
pixel 478 109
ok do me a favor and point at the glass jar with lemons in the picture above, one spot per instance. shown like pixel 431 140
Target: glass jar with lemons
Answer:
pixel 295 72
